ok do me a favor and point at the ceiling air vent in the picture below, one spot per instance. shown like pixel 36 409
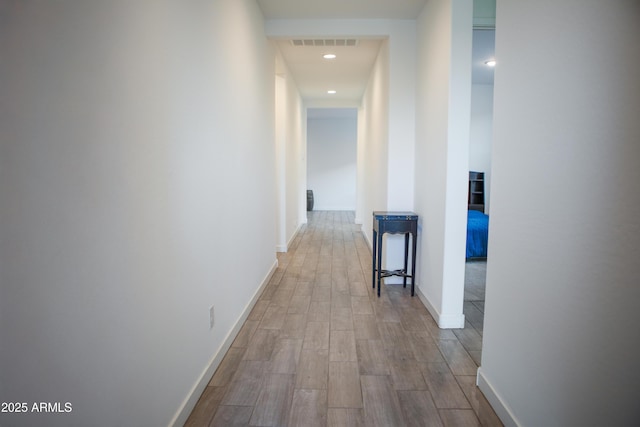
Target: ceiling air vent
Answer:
pixel 324 42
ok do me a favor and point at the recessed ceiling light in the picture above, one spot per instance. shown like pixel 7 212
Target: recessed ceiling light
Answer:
pixel 490 62
pixel 329 56
pixel 331 92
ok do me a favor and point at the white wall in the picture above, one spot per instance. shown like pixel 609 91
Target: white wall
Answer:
pixel 281 158
pixel 373 139
pixel 442 155
pixel 375 184
pixel 290 156
pixel 331 154
pixel 402 118
pixel 127 170
pixel 560 334
pixel 480 135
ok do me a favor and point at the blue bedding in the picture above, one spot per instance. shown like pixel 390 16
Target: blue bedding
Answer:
pixel 477 234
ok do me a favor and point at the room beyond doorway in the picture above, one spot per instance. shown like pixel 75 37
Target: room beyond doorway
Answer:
pixel 332 157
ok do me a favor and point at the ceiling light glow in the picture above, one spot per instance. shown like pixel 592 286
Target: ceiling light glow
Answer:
pixel 331 92
pixel 490 62
pixel 329 56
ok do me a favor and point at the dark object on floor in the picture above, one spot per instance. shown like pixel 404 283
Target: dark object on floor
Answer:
pixel 309 200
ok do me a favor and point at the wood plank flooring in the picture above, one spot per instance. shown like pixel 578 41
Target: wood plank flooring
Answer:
pixel 320 349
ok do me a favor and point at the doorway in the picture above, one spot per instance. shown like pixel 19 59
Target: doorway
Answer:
pixel 480 137
pixel 332 157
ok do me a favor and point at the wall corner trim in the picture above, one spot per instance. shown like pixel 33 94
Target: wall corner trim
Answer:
pixel 192 398
pixel 294 235
pixel 443 321
pixel 366 239
pixel 285 248
pixel 497 403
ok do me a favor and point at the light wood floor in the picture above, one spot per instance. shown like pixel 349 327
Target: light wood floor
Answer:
pixel 320 349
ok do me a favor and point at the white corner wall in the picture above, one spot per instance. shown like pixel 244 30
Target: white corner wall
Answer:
pixel 402 116
pixel 560 334
pixel 442 155
pixel 331 170
pixel 128 178
pixel 291 162
pixel 373 143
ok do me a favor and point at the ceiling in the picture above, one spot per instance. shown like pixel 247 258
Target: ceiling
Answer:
pixel 348 74
pixel 341 9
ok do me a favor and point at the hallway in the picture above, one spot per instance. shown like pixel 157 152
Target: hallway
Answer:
pixel 319 349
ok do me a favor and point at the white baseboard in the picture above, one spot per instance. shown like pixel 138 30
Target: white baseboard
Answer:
pixel 497 403
pixel 366 238
pixel 293 236
pixel 334 208
pixel 285 248
pixel 443 321
pixel 190 402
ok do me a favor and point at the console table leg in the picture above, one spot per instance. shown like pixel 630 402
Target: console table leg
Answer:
pixel 413 264
pixel 406 259
pixel 375 259
pixel 379 259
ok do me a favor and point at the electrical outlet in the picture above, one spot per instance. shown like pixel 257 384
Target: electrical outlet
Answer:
pixel 211 317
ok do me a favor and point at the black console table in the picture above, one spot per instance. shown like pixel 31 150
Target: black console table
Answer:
pixel 394 223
